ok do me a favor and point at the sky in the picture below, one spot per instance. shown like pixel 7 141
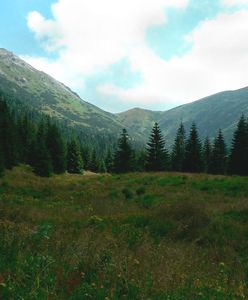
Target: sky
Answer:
pixel 120 54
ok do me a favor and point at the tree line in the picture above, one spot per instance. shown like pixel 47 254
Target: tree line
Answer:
pixel 43 146
pixel 188 154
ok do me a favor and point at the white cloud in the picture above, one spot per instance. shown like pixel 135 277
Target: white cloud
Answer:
pixel 89 36
pixel 217 61
pixel 234 2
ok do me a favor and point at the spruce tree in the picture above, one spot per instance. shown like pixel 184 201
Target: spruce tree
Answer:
pixel 123 158
pixel 178 150
pixel 239 151
pixel 109 162
pixel 218 158
pixel 193 159
pixel 157 155
pixel 74 159
pixel 94 163
pixel 8 138
pixel 1 162
pixel 207 155
pixel 86 155
pixel 56 148
pixel 26 134
pixel 41 159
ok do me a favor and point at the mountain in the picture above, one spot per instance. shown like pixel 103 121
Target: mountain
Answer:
pixel 221 110
pixel 42 93
pixel 37 90
pixel 139 120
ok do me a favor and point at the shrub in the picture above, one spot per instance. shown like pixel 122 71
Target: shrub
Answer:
pixel 127 193
pixel 140 191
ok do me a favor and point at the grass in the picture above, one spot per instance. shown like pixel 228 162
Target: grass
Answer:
pixel 134 236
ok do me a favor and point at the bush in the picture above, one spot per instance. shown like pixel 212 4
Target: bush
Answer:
pixel 140 191
pixel 127 193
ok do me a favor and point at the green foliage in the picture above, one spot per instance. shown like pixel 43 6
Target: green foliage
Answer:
pixel 128 194
pixel 141 190
pixel 193 159
pixel 41 158
pixel 207 155
pixel 178 150
pixel 123 158
pixel 56 148
pixel 219 155
pixel 157 155
pixel 74 159
pixel 239 151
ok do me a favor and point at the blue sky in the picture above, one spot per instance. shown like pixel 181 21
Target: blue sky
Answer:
pixel 121 54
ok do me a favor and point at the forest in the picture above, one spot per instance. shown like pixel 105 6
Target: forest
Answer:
pixel 42 144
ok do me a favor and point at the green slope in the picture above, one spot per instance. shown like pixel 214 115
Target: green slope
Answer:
pixel 221 110
pixel 41 92
pixel 139 120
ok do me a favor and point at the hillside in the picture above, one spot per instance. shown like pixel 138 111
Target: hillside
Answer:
pixel 211 113
pixel 41 92
pixel 139 120
pixel 221 110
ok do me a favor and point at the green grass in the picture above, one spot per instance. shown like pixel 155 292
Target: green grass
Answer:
pixel 133 236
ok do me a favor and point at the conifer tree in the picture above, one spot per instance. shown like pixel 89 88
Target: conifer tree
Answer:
pixel 1 162
pixel 239 150
pixel 109 162
pixel 207 155
pixel 94 163
pixel 7 137
pixel 41 159
pixel 178 150
pixel 157 155
pixel 86 155
pixel 218 158
pixel 56 148
pixel 123 158
pixel 193 158
pixel 26 134
pixel 74 159
pixel 101 166
pixel 140 161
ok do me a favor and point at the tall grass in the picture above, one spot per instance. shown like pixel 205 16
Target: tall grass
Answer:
pixel 134 236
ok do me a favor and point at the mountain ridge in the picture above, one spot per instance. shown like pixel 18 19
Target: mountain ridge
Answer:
pixel 44 93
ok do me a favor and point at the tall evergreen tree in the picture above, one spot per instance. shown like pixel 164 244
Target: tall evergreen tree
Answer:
pixel 41 159
pixel 218 158
pixel 207 155
pixel 7 136
pixel 26 134
pixel 140 161
pixel 86 156
pixel 239 151
pixel 178 150
pixel 123 158
pixel 109 162
pixel 94 162
pixel 193 158
pixel 74 159
pixel 157 155
pixel 56 148
pixel 1 161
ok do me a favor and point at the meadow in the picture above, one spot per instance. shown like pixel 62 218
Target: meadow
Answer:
pixel 134 236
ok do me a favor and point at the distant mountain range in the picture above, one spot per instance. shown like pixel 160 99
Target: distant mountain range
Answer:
pixel 41 92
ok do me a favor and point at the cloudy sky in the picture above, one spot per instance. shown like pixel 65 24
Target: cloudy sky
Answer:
pixel 119 54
